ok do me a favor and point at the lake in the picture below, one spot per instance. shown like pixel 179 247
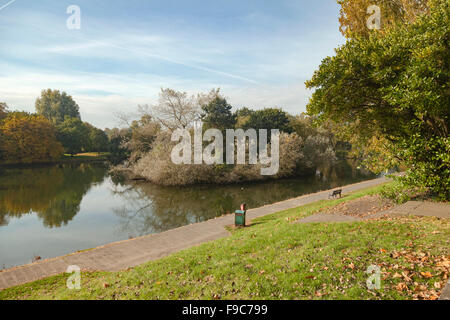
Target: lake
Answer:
pixel 54 210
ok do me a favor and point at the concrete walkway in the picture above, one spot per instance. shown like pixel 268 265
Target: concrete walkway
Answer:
pixel 121 255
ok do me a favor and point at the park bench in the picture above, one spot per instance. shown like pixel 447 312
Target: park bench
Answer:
pixel 336 193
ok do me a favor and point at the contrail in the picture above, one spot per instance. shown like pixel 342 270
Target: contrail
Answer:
pixel 155 56
pixel 4 6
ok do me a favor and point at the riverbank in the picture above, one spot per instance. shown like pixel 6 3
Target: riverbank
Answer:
pixel 89 157
pixel 274 258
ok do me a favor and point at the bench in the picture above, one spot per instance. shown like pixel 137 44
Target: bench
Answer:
pixel 336 193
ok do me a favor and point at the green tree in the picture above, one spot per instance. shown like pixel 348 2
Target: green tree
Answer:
pixel 73 135
pixel 217 114
pixel 56 106
pixel 97 140
pixel 117 138
pixel 395 87
pixel 269 118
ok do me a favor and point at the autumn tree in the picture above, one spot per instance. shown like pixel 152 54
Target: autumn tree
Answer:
pixel 56 106
pixel 354 14
pixel 28 138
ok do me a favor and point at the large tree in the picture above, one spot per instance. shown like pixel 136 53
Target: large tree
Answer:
pixel 56 106
pixel 395 89
pixel 28 138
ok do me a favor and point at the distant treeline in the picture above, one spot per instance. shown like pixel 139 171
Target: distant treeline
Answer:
pixel 44 136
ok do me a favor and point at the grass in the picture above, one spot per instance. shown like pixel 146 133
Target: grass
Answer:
pixel 277 258
pixel 88 156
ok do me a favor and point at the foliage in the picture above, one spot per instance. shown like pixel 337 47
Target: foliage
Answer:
pixel 395 88
pixel 268 118
pixel 97 140
pixel 296 157
pixel 56 106
pixel 28 138
pixel 140 141
pixel 115 138
pixel 217 114
pixel 73 135
pixel 3 110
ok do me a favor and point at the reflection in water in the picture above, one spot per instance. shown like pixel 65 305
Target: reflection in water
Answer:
pixel 54 193
pixel 147 208
pixel 55 210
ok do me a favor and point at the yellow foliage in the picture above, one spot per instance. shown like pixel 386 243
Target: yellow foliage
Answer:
pixel 28 138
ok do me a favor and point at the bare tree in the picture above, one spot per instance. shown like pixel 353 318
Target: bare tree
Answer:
pixel 178 110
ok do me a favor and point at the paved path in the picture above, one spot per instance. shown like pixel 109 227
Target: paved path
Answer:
pixel 121 255
pixel 445 295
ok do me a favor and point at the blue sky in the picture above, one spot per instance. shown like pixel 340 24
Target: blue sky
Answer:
pixel 258 52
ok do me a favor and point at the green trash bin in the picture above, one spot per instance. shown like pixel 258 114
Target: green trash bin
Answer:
pixel 239 218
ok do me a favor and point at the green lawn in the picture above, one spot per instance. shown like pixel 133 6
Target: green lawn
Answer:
pixel 86 157
pixel 277 258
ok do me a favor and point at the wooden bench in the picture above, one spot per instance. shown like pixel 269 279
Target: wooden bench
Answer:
pixel 336 193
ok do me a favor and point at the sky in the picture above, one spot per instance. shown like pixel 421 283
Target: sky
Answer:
pixel 258 52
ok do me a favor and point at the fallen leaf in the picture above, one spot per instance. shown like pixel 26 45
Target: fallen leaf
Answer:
pixel 401 286
pixel 426 274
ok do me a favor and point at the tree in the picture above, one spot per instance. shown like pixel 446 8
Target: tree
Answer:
pixel 97 140
pixel 140 141
pixel 3 114
pixel 116 139
pixel 269 118
pixel 73 135
pixel 353 14
pixel 56 106
pixel 28 138
pixel 217 114
pixel 178 110
pixel 395 88
pixel 3 110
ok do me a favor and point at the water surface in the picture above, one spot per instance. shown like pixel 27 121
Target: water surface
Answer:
pixel 49 211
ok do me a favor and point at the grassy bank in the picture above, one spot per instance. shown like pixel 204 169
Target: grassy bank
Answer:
pixel 86 157
pixel 66 158
pixel 276 258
